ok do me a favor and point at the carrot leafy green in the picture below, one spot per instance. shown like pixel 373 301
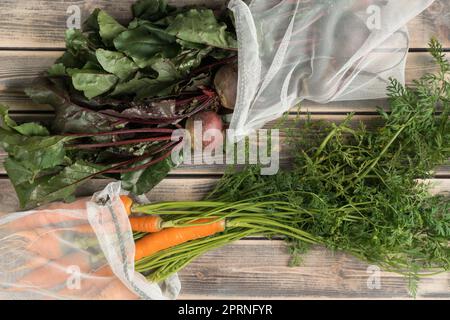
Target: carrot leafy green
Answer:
pixel 350 188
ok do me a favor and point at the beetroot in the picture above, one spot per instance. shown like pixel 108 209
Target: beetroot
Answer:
pixel 208 120
pixel 225 83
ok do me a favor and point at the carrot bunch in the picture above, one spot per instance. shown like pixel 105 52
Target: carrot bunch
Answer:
pixel 52 242
pixel 160 235
pixel 192 228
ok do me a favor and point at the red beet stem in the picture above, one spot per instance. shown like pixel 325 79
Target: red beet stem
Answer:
pixel 212 65
pixel 117 166
pixel 118 143
pixel 119 132
pixel 206 101
pixel 166 146
pixel 183 102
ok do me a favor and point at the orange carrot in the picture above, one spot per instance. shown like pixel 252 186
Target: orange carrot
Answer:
pixel 49 243
pixel 56 271
pixel 146 224
pixel 33 261
pixel 79 204
pixel 44 243
pixel 116 290
pixel 90 284
pixel 127 203
pixel 80 228
pixel 48 214
pixel 104 271
pixel 171 237
pixel 40 219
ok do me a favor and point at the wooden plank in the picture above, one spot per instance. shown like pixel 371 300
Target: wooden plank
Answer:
pixel 41 23
pixel 255 269
pixel 19 68
pixel 433 22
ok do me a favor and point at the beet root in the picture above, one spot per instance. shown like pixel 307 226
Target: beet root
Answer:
pixel 225 82
pixel 208 120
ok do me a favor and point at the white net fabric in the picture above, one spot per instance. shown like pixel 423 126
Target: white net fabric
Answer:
pixel 321 50
pixel 81 250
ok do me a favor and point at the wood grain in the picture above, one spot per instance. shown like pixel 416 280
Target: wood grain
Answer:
pixel 255 269
pixel 41 23
pixel 19 68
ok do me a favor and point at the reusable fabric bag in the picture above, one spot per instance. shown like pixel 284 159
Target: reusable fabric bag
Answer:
pixel 80 250
pixel 317 50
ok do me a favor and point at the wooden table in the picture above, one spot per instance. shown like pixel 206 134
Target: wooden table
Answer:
pixel 32 37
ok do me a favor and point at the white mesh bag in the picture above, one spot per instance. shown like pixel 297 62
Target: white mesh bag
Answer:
pixel 81 250
pixel 318 50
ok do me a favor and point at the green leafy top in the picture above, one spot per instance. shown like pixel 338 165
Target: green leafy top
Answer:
pixel 362 184
pixel 109 60
pixel 349 188
pixel 118 93
pixel 201 26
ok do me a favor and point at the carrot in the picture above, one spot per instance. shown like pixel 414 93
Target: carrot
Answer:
pixel 48 215
pixel 79 204
pixel 56 271
pixel 40 219
pixel 80 228
pixel 104 271
pixel 127 203
pixel 44 243
pixel 116 290
pixel 50 243
pixel 146 224
pixel 90 283
pixel 33 261
pixel 171 237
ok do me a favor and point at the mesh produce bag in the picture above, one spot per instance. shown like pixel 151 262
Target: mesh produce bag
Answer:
pixel 81 250
pixel 318 50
